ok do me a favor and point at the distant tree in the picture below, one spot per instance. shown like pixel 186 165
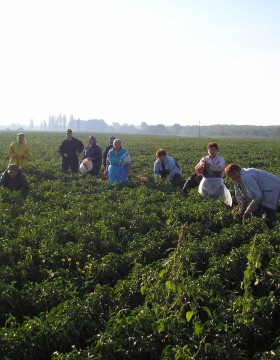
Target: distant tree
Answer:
pixel 59 122
pixel 157 129
pixel 144 126
pixel 96 125
pixel 31 125
pixel 127 128
pixel 64 122
pixel 116 126
pixel 175 129
pixel 51 123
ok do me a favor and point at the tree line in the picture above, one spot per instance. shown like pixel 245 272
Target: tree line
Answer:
pixel 60 123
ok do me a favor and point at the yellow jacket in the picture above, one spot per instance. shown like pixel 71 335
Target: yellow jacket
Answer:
pixel 19 154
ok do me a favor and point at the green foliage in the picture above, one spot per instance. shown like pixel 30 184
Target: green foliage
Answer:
pixel 140 271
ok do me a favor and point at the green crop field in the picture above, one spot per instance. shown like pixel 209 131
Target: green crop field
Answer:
pixel 135 272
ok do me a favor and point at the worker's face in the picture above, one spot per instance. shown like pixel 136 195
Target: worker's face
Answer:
pixel 162 158
pixel 12 174
pixel 117 145
pixel 20 139
pixel 69 135
pixel 212 151
pixel 234 175
pixel 91 141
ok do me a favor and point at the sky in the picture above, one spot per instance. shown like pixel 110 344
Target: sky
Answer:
pixel 133 61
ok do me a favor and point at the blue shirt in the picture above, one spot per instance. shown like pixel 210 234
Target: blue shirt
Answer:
pixel 122 158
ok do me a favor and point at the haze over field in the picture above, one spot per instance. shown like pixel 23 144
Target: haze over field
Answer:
pixel 161 62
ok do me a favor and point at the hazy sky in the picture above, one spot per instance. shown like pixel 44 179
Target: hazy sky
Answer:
pixel 128 61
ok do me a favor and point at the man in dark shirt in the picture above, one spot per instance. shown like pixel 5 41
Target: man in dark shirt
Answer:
pixel 109 147
pixel 69 150
pixel 14 179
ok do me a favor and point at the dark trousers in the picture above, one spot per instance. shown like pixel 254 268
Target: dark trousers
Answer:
pixel 94 171
pixel 177 180
pixel 73 163
pixel 270 214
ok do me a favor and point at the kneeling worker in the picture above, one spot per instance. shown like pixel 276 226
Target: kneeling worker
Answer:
pixel 257 192
pixel 167 168
pixel 14 179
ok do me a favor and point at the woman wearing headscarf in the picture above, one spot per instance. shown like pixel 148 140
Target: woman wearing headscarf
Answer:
pixel 19 152
pixel 118 163
pixel 93 153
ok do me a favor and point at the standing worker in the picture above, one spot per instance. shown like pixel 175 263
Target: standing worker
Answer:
pixel 93 153
pixel 109 147
pixel 19 152
pixel 69 151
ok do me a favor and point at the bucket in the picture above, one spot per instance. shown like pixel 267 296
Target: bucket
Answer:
pixel 117 173
pixel 86 166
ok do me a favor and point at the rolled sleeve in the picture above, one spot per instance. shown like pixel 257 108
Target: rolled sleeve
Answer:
pixel 219 167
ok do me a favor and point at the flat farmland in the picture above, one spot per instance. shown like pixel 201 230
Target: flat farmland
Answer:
pixel 143 271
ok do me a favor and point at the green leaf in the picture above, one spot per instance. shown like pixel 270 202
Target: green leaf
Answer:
pixel 207 310
pixel 189 316
pixel 162 273
pixel 143 289
pixel 198 329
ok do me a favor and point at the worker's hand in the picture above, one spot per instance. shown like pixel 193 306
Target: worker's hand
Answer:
pixel 105 174
pixel 207 165
pixel 238 216
pixel 65 155
pixel 247 214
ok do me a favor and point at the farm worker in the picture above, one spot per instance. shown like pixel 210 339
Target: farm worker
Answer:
pixel 69 151
pixel 109 147
pixel 93 153
pixel 257 192
pixel 14 179
pixel 118 164
pixel 211 167
pixel 166 167
pixel 19 152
